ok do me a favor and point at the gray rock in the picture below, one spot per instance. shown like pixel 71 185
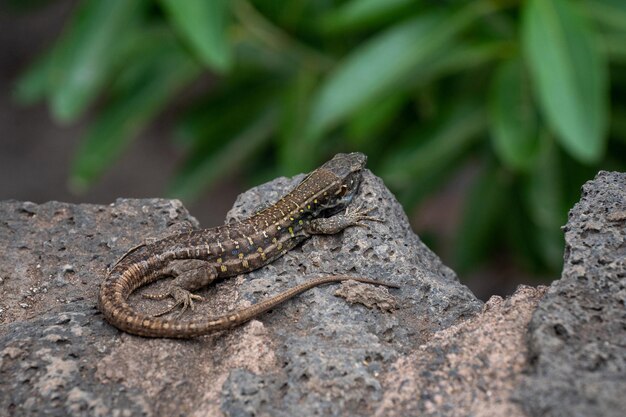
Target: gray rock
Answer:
pixel 52 257
pixel 577 336
pixel 315 355
pixel 430 348
pixel 332 352
pixel 469 369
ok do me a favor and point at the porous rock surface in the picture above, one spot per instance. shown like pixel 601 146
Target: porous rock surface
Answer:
pixel 577 336
pixel 428 348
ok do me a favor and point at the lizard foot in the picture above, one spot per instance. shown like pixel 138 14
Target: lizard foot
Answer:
pixel 189 275
pixel 358 214
pixel 181 296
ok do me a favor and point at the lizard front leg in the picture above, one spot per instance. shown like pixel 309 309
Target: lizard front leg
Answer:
pixel 335 224
pixel 189 275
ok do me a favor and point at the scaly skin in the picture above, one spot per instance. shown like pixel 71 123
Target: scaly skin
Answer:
pixel 198 257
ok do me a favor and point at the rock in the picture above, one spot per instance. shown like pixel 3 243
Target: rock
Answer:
pixel 469 369
pixel 429 348
pixel 315 355
pixel 52 257
pixel 577 336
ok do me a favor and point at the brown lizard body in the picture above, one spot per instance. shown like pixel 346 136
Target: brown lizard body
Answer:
pixel 198 257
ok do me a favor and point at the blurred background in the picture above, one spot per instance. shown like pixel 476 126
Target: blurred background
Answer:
pixel 483 117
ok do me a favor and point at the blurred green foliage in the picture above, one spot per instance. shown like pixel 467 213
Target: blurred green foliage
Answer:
pixel 527 93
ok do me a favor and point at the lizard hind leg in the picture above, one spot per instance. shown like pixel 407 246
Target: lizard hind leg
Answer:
pixel 189 275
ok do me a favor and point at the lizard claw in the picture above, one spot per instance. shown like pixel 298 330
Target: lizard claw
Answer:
pixel 181 296
pixel 359 214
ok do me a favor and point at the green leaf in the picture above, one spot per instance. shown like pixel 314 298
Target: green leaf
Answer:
pixel 136 54
pixel 481 219
pixel 610 13
pixel 618 123
pixel 32 85
pixel 203 25
pixel 204 168
pixel 514 130
pixel 614 46
pixel 369 122
pixel 458 58
pixel 271 46
pixel 126 114
pixel 223 113
pixel 544 195
pixel 520 232
pixel 374 69
pixel 427 148
pixel 357 14
pixel 544 191
pixel 83 57
pixel 294 154
pixel 570 75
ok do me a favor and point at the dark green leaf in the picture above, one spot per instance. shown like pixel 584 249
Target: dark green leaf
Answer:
pixel 434 146
pixel 610 13
pixel 203 24
pixel 223 113
pixel 374 68
pixel 83 57
pixel 428 182
pixel 458 58
pixel 618 123
pixel 369 122
pixel 546 203
pixel 520 232
pixel 544 188
pixel 269 45
pixel 614 46
pixel 32 86
pixel 204 168
pixel 295 154
pixel 552 245
pixel 357 14
pixel 482 217
pixel 128 113
pixel 513 120
pixel 137 54
pixel 570 75
pixel 384 64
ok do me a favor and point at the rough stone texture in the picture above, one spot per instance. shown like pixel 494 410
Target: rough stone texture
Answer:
pixel 52 257
pixel 315 355
pixel 368 295
pixel 428 348
pixel 469 369
pixel 577 336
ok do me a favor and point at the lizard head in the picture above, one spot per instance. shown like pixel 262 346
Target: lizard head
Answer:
pixel 346 168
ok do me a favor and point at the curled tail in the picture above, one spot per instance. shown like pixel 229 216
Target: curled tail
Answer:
pixel 131 321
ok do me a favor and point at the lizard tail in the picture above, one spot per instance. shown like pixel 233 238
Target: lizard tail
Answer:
pixel 159 327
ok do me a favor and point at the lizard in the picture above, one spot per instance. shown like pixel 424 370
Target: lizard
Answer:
pixel 318 205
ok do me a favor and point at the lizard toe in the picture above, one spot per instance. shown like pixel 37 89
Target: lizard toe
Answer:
pixel 182 298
